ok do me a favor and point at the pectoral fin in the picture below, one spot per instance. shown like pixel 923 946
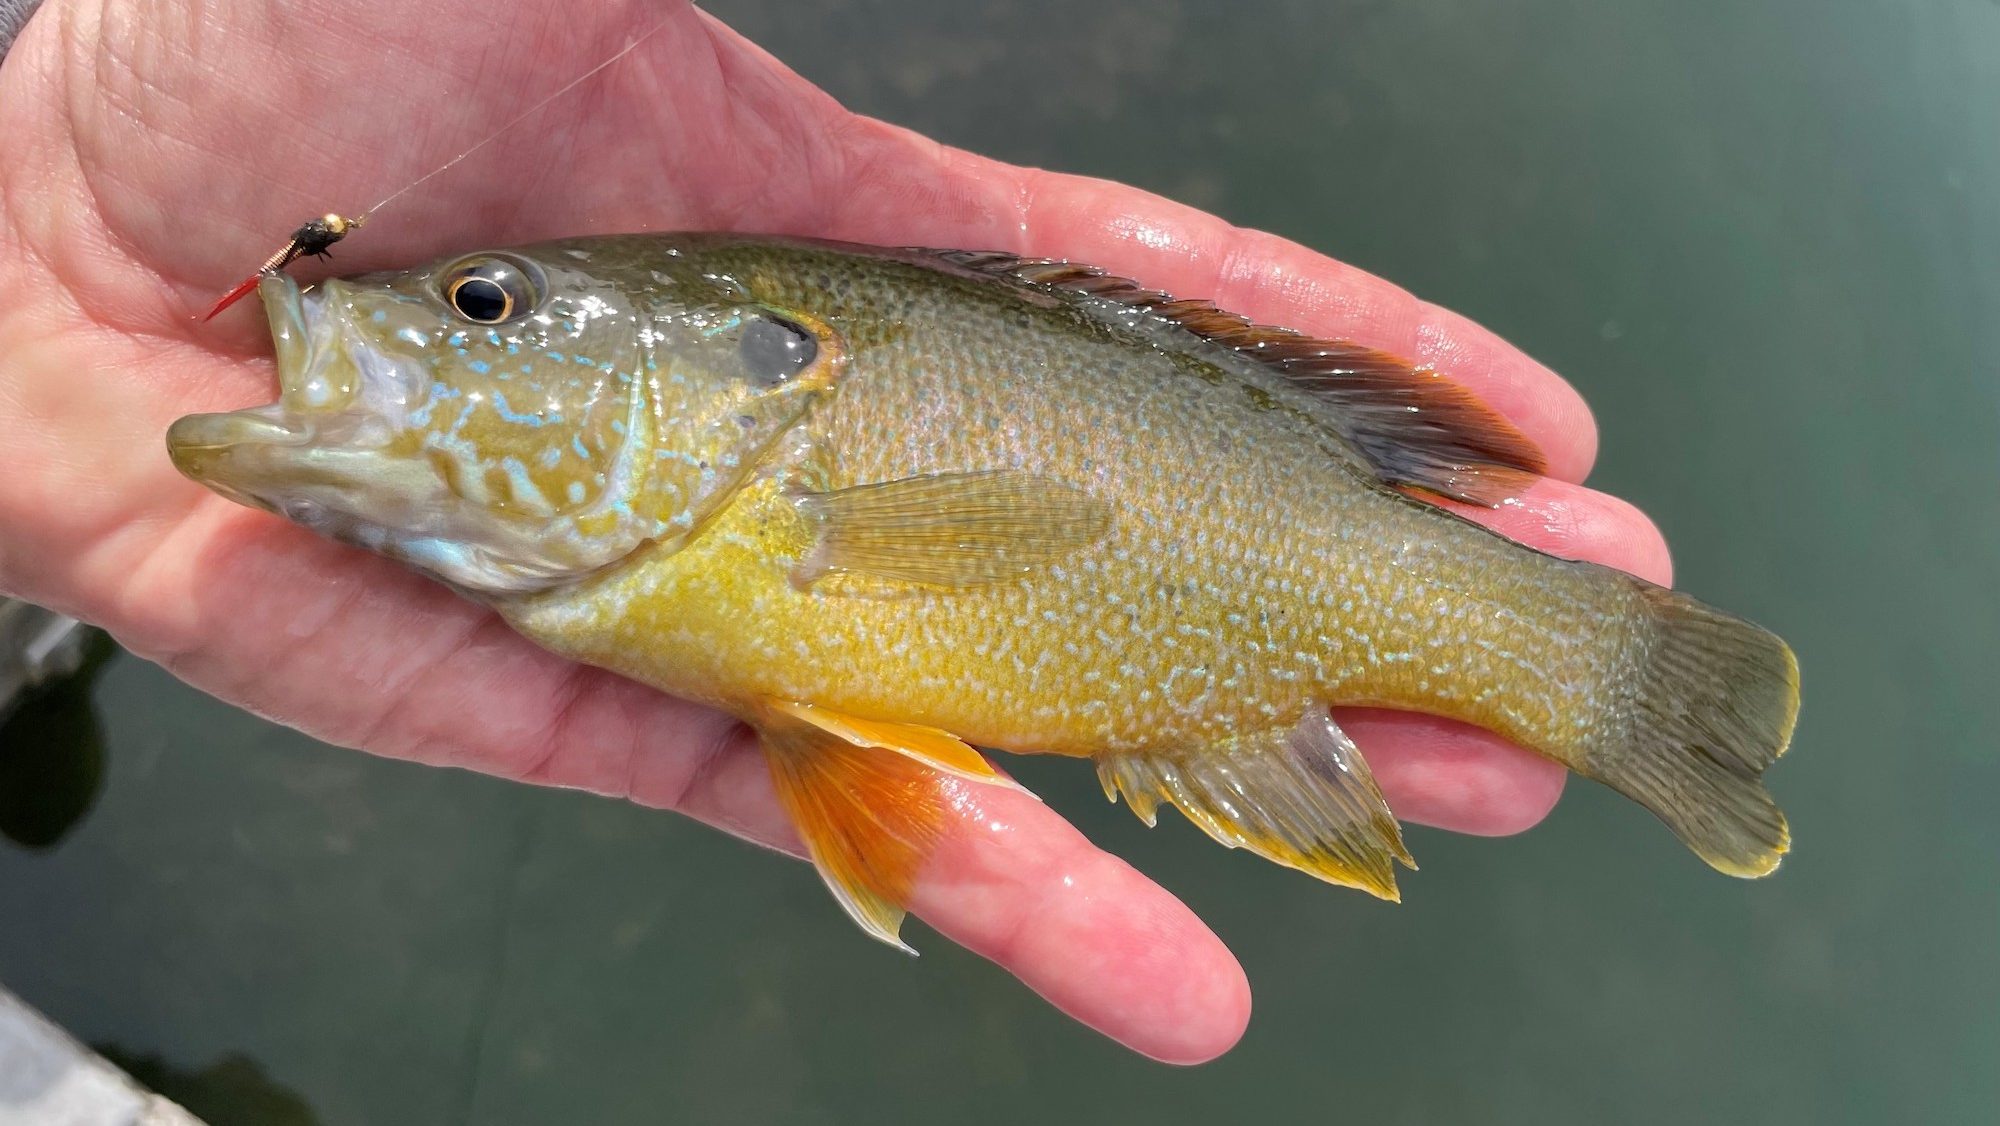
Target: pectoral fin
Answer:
pixel 870 800
pixel 951 529
pixel 1302 797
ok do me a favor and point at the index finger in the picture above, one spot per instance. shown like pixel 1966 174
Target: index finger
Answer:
pixel 1015 883
pixel 884 184
pixel 1190 253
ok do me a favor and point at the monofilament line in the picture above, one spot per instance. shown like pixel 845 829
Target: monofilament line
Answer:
pixel 565 88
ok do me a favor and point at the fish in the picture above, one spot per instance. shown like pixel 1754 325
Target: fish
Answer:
pixel 895 508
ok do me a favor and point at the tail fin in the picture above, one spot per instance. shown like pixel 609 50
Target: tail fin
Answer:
pixel 1713 706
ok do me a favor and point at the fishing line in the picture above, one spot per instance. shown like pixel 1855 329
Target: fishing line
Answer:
pixel 316 235
pixel 565 88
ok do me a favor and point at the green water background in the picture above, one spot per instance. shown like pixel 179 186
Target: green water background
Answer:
pixel 1760 237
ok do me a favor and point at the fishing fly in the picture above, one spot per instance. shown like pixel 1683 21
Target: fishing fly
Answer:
pixel 313 237
pixel 311 240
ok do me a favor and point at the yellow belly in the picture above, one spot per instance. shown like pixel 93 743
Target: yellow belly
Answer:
pixel 1120 649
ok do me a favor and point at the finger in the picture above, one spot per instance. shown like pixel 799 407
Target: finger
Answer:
pixel 1015 883
pixel 889 185
pixel 1452 775
pixel 1012 881
pixel 1085 930
pixel 1277 281
pixel 898 188
pixel 1574 522
pixel 1189 253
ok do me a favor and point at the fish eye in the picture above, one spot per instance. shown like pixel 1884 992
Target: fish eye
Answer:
pixel 774 349
pixel 488 291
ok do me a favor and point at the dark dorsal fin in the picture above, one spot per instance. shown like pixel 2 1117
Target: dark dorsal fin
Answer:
pixel 1412 426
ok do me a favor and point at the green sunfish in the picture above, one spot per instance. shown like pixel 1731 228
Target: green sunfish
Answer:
pixel 889 505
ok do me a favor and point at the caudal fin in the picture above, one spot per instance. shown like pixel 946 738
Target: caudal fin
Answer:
pixel 1713 706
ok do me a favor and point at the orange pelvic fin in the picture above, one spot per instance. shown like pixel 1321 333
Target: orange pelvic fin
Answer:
pixel 870 798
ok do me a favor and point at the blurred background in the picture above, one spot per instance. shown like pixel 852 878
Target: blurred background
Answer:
pixel 1760 238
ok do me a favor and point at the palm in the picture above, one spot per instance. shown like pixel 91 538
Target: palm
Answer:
pixel 154 155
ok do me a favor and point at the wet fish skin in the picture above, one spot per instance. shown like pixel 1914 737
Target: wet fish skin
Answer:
pixel 1008 504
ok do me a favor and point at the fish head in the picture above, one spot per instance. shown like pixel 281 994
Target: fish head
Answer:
pixel 510 420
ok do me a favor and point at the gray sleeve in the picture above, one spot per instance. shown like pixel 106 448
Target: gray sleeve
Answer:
pixel 13 16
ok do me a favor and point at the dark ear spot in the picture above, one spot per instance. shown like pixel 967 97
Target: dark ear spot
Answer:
pixel 774 349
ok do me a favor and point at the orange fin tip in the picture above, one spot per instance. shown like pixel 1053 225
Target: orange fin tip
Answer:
pixel 931 746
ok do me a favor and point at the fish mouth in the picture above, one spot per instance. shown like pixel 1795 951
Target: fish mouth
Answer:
pixel 316 366
pixel 319 440
pixel 267 458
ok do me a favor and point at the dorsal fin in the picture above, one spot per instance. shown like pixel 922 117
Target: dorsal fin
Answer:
pixel 1410 425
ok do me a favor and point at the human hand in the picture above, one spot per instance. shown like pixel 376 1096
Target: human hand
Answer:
pixel 155 152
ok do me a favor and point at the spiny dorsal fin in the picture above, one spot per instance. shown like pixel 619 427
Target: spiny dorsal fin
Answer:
pixel 1412 426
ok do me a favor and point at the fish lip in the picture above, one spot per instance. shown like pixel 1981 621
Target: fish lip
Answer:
pixel 200 433
pixel 285 310
pixel 230 453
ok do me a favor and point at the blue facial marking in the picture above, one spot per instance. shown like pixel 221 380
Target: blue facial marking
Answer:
pixel 518 479
pixel 500 404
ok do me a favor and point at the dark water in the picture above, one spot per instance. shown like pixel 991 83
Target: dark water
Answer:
pixel 1761 238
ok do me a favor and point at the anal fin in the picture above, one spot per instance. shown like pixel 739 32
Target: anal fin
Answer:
pixel 871 800
pixel 1301 797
